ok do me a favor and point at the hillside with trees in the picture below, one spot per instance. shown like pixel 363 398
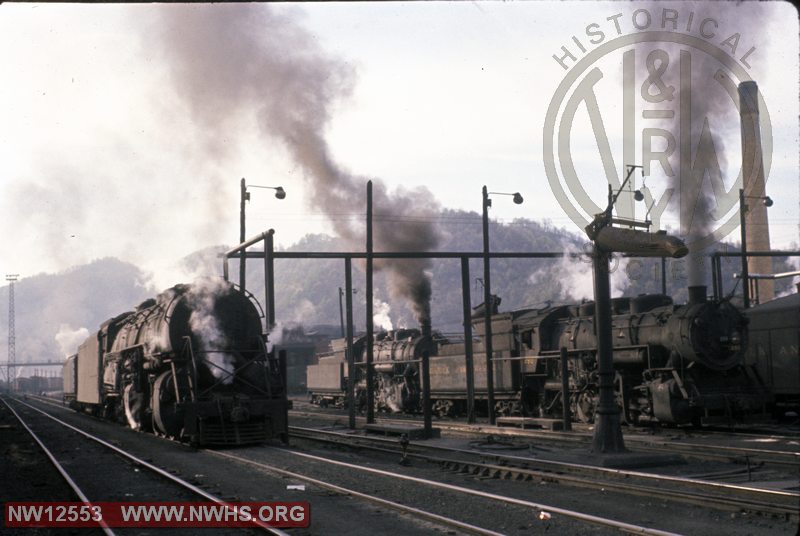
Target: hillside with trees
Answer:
pixel 56 312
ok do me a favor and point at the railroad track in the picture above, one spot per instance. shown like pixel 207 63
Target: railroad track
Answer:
pixel 449 524
pixel 705 451
pixel 492 465
pixel 543 510
pixel 445 522
pixel 151 468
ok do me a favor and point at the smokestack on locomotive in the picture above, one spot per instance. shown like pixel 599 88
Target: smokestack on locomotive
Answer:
pixel 425 326
pixel 697 294
pixel 754 186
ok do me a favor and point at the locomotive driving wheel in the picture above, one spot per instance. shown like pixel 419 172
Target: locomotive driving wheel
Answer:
pixel 167 414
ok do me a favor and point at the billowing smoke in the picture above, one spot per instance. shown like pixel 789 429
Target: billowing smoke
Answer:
pixel 571 278
pixel 202 299
pixel 248 61
pixel 702 162
pixel 69 339
pixel 694 86
pixel 382 317
pixel 275 336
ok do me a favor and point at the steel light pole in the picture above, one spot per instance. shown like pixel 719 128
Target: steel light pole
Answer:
pixel 244 196
pixel 488 302
pixel 745 276
pixel 607 437
pixel 341 308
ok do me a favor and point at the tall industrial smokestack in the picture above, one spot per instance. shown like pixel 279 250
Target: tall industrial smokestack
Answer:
pixel 755 187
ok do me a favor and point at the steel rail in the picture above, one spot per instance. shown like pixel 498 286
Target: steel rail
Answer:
pixel 588 518
pixel 693 449
pixel 60 468
pixel 699 450
pixel 430 516
pixel 723 496
pixel 155 469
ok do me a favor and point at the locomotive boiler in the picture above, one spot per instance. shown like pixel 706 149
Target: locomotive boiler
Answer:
pixel 189 364
pixel 673 363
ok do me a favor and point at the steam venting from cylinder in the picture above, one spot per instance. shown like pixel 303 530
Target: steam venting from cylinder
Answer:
pixel 245 62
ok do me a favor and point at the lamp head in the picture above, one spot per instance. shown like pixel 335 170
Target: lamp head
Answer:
pixel 768 201
pixel 517 198
pixel 280 193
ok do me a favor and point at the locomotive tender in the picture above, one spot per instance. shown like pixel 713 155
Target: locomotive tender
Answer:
pixel 774 349
pixel 674 363
pixel 189 364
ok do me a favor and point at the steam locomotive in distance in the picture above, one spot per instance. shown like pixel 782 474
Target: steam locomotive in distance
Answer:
pixel 190 364
pixel 674 363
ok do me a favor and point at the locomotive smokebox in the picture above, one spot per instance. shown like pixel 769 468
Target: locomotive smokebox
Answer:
pixel 697 294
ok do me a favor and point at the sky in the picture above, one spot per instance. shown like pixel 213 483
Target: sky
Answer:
pixel 125 129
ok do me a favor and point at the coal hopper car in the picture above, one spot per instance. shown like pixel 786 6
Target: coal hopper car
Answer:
pixel 189 364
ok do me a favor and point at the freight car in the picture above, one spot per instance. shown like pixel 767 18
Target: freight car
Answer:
pixel 674 363
pixel 774 349
pixel 190 364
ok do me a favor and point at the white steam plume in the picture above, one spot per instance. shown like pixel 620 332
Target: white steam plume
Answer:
pixel 382 318
pixel 575 278
pixel 69 339
pixel 202 299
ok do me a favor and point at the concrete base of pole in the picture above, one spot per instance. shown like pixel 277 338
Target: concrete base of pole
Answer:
pixel 608 434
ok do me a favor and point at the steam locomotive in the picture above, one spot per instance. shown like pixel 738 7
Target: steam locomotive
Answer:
pixel 673 363
pixel 190 364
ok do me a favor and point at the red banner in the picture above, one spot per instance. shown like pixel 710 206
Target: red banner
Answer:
pixel 157 514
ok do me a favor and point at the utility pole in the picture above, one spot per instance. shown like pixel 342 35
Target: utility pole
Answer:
pixel 11 372
pixel 243 198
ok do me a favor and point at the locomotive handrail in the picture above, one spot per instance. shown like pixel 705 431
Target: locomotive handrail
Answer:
pixel 395 361
pixel 548 353
pixel 168 308
pixel 266 366
pixel 251 297
pixel 187 346
pixel 268 392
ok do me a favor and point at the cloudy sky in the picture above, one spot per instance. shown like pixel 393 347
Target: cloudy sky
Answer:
pixel 125 130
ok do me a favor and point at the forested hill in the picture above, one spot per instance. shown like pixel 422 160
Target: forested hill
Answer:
pixel 308 290
pixel 55 312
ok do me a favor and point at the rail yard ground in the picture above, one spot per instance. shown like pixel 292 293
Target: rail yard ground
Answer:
pixel 270 472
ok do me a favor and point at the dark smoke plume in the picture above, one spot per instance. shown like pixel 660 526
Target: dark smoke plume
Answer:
pixel 242 61
pixel 699 162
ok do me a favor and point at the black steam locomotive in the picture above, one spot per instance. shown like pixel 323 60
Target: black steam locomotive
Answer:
pixel 190 364
pixel 673 363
